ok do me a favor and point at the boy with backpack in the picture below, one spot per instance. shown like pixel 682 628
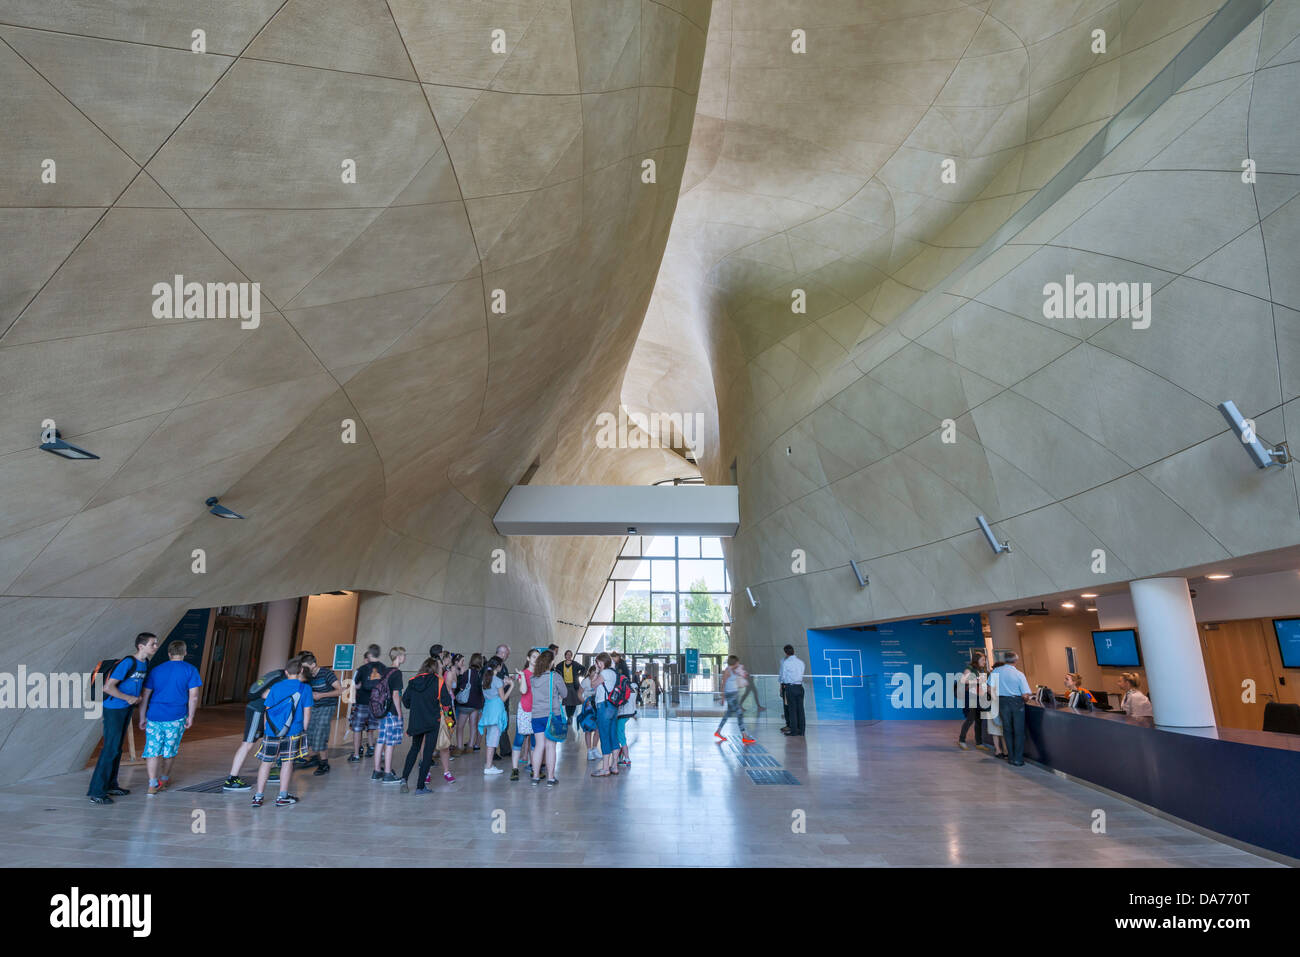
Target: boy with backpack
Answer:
pixel 254 715
pixel 287 711
pixel 386 706
pixel 124 681
pixel 360 720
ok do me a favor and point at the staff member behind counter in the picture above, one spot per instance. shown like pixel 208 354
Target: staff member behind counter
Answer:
pixel 1135 703
pixel 1080 697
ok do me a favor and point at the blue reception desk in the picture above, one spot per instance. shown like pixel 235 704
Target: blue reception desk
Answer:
pixel 1242 784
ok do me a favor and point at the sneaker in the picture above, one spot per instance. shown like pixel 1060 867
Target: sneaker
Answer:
pixel 101 800
pixel 163 783
pixel 552 782
pixel 514 774
pixel 719 735
pixel 746 739
pixel 427 778
pixel 476 747
pixel 236 784
pixel 625 762
pixel 323 769
pixel 117 792
pixel 284 800
pixel 983 747
pixel 449 777
pixel 963 745
pixel 422 790
pixel 305 763
pixel 593 755
pixel 391 778
pixel 493 771
pixel 353 758
pixel 405 787
pixel 376 775
pixel 534 781
pixel 257 800
pixel 370 750
pixel 153 789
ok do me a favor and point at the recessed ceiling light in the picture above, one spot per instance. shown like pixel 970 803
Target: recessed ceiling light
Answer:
pixel 1218 576
pixel 1089 594
pixel 1020 624
pixel 1067 604
pixel 1094 608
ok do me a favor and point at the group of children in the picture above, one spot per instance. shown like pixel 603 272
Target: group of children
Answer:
pixel 449 706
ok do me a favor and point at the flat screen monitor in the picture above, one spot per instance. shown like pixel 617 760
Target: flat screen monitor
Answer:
pixel 1117 648
pixel 1288 640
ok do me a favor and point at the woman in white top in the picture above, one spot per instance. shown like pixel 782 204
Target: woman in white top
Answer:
pixel 606 717
pixel 1135 704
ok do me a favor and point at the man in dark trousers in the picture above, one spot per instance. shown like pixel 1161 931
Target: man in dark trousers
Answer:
pixel 1013 691
pixel 122 688
pixel 791 678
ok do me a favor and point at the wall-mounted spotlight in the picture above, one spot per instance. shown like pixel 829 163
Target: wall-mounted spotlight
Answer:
pixel 863 581
pixel 65 449
pixel 753 602
pixel 998 547
pixel 220 510
pixel 1259 453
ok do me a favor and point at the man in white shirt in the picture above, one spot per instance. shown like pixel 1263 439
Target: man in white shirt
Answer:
pixel 791 678
pixel 1013 691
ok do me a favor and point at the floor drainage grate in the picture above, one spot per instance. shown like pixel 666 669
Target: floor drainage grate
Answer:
pixel 758 761
pixel 207 787
pixel 772 777
pixel 749 749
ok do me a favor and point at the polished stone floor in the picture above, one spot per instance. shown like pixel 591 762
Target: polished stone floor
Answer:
pixel 886 794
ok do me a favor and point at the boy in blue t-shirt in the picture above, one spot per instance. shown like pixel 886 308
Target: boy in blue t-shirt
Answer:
pixel 288 709
pixel 171 696
pixel 121 693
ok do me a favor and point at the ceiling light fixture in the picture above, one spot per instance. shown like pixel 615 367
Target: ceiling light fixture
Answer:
pixel 1067 604
pixel 64 449
pixel 220 510
pixel 1244 429
pixel 1089 594
pixel 1219 576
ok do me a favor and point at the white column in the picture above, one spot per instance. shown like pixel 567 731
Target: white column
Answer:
pixel 277 638
pixel 1171 653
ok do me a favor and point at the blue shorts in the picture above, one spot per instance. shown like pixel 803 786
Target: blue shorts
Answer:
pixel 539 725
pixel 162 739
pixel 390 730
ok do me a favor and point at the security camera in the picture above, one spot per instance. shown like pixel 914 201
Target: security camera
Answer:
pixel 752 600
pixel 998 547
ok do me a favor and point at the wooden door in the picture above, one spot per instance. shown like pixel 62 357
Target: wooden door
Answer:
pixel 1234 652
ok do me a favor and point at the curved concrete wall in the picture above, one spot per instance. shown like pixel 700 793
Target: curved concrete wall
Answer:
pixel 822 172
pixel 475 170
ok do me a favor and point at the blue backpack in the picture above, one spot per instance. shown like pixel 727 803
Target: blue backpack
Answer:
pixel 587 716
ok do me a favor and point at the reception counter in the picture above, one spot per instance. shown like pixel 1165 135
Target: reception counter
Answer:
pixel 1242 784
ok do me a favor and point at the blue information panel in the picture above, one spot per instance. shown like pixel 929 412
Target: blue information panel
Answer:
pixel 343 655
pixel 899 670
pixel 191 629
pixel 692 661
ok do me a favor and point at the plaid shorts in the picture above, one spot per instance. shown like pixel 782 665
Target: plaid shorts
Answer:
pixel 162 739
pixel 282 749
pixel 361 719
pixel 318 730
pixel 390 730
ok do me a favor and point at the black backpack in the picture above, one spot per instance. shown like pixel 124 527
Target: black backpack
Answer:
pixel 104 668
pixel 261 684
